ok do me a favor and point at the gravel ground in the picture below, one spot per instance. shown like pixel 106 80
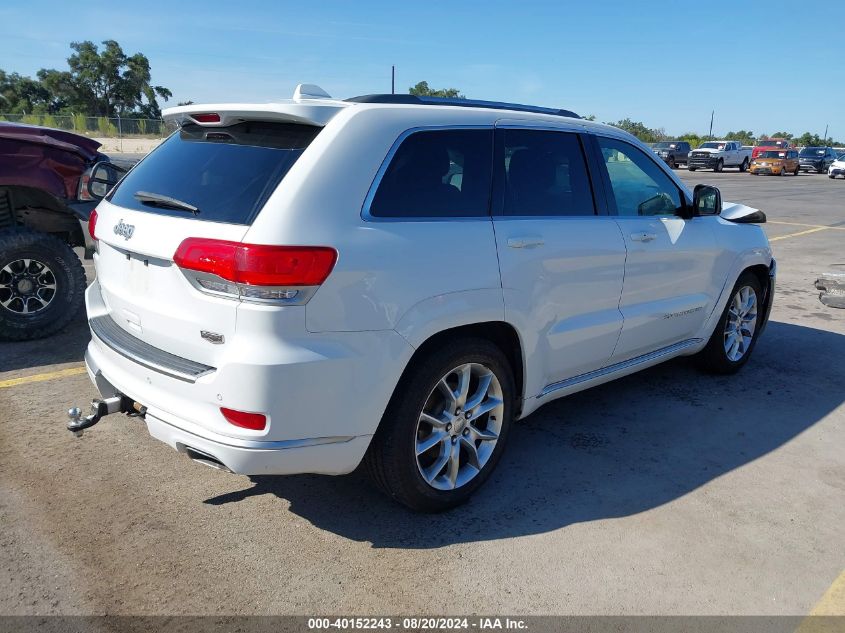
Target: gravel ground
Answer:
pixel 667 492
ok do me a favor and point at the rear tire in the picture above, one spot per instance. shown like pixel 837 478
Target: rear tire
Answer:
pixel 736 332
pixel 42 285
pixel 744 166
pixel 421 414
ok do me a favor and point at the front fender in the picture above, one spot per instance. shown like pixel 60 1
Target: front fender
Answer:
pixel 756 256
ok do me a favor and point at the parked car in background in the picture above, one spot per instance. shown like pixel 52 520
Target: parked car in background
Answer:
pixel 278 289
pixel 837 167
pixel 770 143
pixel 816 159
pixel 717 155
pixel 50 181
pixel 775 162
pixel 673 153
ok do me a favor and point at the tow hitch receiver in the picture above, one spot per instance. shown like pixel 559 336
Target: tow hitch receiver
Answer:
pixel 99 408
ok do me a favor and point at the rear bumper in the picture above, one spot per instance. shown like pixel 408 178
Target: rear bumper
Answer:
pixel 319 421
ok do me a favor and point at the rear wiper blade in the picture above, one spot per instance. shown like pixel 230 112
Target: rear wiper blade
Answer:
pixel 159 200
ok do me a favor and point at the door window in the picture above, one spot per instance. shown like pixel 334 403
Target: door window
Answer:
pixel 544 174
pixel 640 186
pixel 437 174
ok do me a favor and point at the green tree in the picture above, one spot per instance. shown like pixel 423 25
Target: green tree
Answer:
pixel 22 95
pixel 109 82
pixel 423 90
pixel 746 137
pixel 640 130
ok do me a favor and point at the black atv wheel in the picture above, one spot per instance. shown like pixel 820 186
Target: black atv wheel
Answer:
pixel 42 285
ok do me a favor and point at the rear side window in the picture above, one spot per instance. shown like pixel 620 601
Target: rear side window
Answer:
pixel 545 175
pixel 437 174
pixel 226 172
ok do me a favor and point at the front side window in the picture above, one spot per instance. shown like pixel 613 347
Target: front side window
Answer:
pixel 545 174
pixel 640 187
pixel 437 174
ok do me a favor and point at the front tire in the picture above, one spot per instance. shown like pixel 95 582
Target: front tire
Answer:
pixel 736 333
pixel 691 168
pixel 720 165
pixel 671 163
pixel 42 285
pixel 445 427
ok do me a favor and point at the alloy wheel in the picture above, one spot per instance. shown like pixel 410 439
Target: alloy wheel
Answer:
pixel 27 286
pixel 741 323
pixel 459 426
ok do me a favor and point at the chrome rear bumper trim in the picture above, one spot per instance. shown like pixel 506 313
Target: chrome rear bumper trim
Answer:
pixel 119 340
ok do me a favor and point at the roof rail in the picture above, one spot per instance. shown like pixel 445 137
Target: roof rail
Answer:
pixel 466 103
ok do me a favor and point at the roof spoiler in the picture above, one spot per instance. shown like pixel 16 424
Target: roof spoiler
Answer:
pixel 311 105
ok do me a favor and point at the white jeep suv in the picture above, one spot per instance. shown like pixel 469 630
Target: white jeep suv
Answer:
pixel 296 287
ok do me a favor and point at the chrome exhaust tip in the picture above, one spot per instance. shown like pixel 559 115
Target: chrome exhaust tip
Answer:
pixel 204 458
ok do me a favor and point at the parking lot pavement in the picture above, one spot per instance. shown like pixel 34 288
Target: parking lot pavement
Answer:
pixel 667 492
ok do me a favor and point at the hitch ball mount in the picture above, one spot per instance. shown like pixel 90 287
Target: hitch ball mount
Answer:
pixel 99 408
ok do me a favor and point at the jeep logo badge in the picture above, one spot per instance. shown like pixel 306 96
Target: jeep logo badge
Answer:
pixel 126 230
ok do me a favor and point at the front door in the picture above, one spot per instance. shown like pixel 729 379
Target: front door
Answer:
pixel 671 273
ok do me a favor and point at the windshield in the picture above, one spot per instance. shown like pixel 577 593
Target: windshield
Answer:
pixel 665 145
pixel 772 153
pixel 712 145
pixel 771 143
pixel 812 151
pixel 225 173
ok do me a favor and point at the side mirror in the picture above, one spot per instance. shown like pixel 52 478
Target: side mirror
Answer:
pixel 706 200
pixel 104 176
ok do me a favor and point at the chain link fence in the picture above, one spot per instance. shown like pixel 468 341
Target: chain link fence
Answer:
pixel 96 127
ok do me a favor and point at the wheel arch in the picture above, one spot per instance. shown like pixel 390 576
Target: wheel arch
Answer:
pixel 41 211
pixel 500 333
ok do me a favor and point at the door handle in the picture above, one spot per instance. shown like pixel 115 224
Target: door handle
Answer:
pixel 525 242
pixel 643 237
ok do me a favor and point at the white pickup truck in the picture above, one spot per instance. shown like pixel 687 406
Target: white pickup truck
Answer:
pixel 717 155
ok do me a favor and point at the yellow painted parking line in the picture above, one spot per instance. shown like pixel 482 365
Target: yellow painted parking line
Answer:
pixel 818 226
pixel 807 232
pixel 50 375
pixel 832 603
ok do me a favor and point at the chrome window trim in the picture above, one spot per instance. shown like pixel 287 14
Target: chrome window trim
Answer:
pixel 371 193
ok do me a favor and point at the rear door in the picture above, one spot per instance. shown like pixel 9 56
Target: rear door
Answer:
pixel 226 174
pixel 672 272
pixel 561 257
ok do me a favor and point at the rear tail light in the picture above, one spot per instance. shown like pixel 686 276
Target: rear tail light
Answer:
pixel 92 225
pixel 254 421
pixel 255 271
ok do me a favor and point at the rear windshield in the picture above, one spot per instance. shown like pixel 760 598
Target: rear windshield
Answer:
pixel 227 173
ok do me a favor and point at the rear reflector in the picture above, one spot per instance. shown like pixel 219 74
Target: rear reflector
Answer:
pixel 257 264
pixel 208 117
pixel 254 421
pixel 92 224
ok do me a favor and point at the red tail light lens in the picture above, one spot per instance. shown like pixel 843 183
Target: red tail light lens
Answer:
pixel 256 264
pixel 92 225
pixel 254 421
pixel 208 117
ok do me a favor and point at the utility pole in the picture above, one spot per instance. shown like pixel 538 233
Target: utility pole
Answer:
pixel 825 132
pixel 712 114
pixel 393 80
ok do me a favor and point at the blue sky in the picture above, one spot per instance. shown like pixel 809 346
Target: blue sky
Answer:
pixel 664 63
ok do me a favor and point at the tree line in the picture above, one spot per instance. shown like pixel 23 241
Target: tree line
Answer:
pixel 98 82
